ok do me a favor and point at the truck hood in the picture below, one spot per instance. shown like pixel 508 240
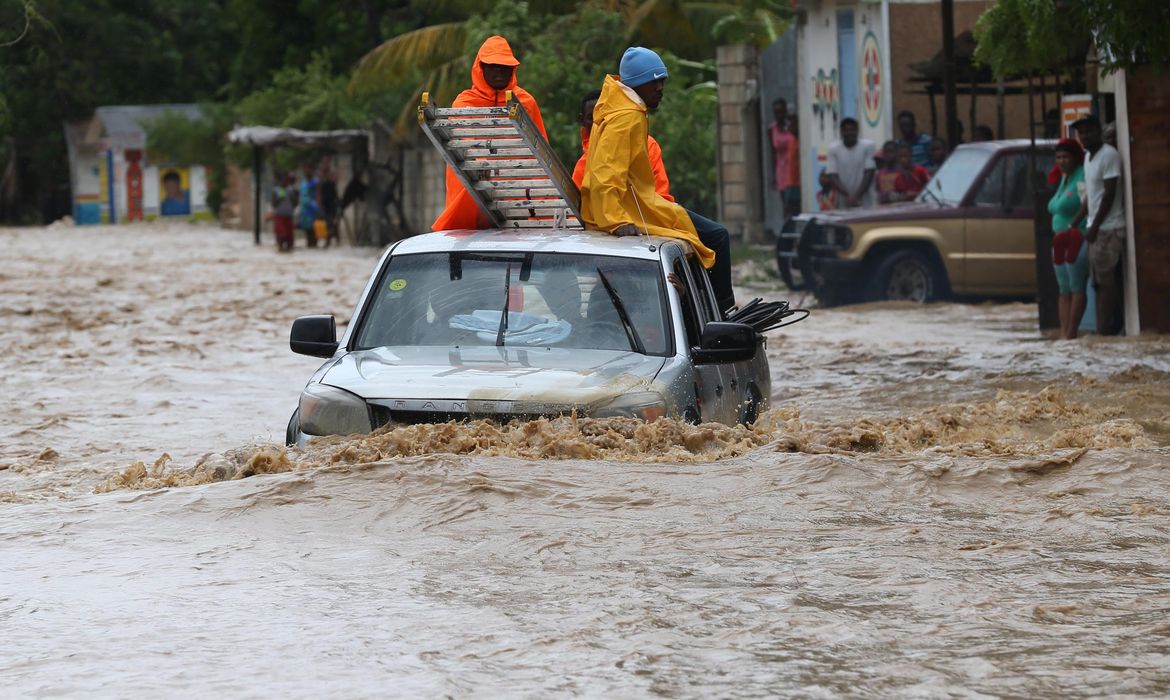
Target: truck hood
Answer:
pixel 903 211
pixel 545 375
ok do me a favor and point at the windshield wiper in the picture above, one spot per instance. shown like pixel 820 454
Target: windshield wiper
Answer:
pixel 507 299
pixel 935 197
pixel 631 332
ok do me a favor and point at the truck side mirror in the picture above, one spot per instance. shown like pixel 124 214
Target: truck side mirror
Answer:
pixel 723 341
pixel 315 336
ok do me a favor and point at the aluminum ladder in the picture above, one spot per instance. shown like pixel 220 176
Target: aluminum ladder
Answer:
pixel 505 163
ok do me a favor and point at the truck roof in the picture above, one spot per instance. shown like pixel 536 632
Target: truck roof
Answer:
pixel 536 240
pixel 1004 144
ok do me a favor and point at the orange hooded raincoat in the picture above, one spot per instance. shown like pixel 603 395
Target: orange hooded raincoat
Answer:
pixel 661 181
pixel 461 211
pixel 619 182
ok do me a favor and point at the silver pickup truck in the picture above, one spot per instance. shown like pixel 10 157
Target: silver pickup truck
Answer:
pixel 501 324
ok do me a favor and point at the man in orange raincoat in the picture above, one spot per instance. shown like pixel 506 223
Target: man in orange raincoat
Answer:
pixel 585 118
pixel 492 75
pixel 618 194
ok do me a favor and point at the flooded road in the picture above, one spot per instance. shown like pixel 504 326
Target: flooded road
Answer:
pixel 940 504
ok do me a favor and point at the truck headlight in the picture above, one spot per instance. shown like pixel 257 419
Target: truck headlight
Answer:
pixel 647 405
pixel 327 410
pixel 840 237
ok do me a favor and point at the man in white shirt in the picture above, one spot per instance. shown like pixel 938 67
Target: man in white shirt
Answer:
pixel 1106 212
pixel 851 167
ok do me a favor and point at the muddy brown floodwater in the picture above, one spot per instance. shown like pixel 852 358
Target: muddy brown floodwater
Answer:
pixel 940 504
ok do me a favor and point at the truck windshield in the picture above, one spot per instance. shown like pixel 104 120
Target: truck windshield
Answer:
pixel 552 300
pixel 953 180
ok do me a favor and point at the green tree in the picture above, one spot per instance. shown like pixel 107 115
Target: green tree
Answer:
pixel 564 63
pixel 1129 32
pixel 685 127
pixel 76 56
pixel 437 58
pixel 565 51
pixel 1016 37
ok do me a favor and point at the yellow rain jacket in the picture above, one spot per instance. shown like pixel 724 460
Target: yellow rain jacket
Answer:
pixel 619 181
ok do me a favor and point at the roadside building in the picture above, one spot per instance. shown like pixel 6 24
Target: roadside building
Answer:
pixel 112 176
pixel 1141 110
pixel 865 59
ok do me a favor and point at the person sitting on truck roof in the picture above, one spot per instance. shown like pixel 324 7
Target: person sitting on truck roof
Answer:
pixel 585 118
pixel 618 194
pixel 492 75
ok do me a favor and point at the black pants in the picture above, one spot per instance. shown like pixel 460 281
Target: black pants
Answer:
pixel 714 235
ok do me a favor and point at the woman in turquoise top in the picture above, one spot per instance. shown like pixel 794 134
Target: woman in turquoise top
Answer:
pixel 1070 254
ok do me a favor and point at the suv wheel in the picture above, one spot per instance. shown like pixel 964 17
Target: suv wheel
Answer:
pixel 905 275
pixel 750 411
pixel 294 425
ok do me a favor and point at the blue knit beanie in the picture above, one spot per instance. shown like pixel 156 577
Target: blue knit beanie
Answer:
pixel 640 66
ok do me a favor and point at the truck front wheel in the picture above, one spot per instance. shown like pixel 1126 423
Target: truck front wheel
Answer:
pixel 294 427
pixel 906 275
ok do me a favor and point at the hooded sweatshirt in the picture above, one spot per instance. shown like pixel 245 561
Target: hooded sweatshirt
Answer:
pixel 661 181
pixel 619 181
pixel 461 211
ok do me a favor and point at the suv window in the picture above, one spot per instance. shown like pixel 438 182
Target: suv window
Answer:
pixel 552 299
pixel 990 193
pixel 1008 184
pixel 687 302
pixel 704 298
pixel 953 180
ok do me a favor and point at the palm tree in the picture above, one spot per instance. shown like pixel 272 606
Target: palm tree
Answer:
pixel 435 58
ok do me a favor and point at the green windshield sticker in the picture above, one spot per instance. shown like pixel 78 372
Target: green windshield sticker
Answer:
pixel 398 285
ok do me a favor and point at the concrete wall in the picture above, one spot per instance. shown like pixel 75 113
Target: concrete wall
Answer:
pixel 740 174
pixel 423 186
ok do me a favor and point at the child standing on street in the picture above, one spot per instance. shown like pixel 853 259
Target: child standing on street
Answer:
pixel 911 176
pixel 284 204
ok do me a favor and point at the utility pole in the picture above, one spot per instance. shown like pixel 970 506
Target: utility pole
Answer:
pixel 257 180
pixel 951 107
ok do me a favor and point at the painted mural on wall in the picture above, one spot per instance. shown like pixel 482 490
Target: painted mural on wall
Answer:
pixel 871 79
pixel 133 185
pixel 826 102
pixel 826 197
pixel 174 192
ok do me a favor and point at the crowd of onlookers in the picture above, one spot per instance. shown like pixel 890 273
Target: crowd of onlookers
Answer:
pixel 309 204
pixel 1088 217
pixel 856 173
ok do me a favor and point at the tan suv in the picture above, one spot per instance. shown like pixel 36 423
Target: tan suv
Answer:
pixel 970 232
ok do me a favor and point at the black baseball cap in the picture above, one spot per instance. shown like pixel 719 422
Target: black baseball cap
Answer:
pixel 1088 120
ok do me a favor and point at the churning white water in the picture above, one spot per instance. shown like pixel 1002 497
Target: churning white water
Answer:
pixel 940 503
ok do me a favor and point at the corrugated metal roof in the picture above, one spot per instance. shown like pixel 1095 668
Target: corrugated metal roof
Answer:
pixel 126 120
pixel 266 136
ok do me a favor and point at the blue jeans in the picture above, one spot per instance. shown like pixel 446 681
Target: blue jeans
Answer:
pixel 714 235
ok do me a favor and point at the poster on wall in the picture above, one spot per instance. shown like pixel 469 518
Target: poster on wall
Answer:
pixel 174 192
pixel 1072 108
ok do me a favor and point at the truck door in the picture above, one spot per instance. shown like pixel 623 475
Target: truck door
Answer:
pixel 999 238
pixel 719 380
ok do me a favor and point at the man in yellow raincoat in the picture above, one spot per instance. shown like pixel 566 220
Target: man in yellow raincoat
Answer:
pixel 618 194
